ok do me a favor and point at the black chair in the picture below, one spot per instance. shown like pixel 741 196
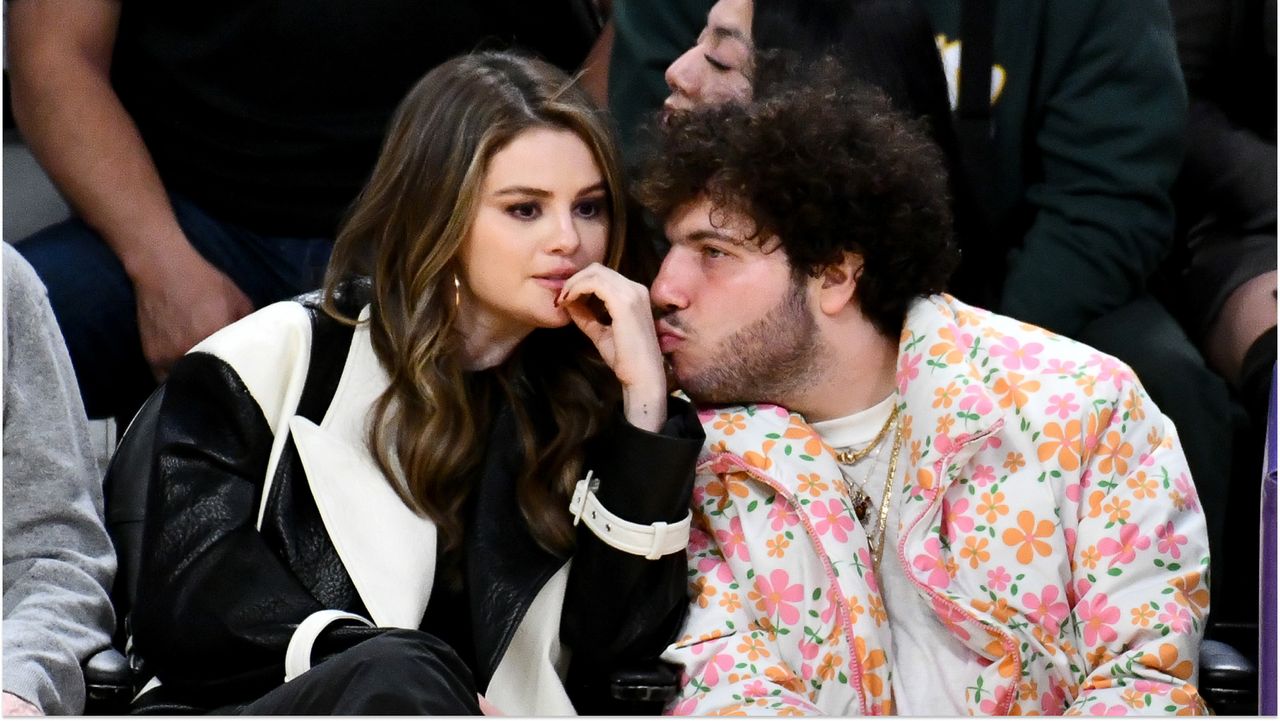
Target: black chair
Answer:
pixel 114 676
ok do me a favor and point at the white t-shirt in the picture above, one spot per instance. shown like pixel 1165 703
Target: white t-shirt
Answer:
pixel 930 666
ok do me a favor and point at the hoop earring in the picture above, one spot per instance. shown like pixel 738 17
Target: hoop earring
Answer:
pixel 457 291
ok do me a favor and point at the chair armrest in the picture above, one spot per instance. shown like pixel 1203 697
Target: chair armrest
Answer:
pixel 108 683
pixel 1228 680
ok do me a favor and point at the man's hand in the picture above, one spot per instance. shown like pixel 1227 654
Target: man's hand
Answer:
pixel 182 303
pixel 14 706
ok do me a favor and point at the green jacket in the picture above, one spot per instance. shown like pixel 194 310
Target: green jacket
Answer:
pixel 1088 121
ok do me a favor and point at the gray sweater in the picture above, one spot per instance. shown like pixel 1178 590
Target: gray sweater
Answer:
pixel 58 559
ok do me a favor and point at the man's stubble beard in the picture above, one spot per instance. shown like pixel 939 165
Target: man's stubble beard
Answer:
pixel 770 361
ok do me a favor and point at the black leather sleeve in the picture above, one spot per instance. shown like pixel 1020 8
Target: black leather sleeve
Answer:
pixel 216 607
pixel 622 608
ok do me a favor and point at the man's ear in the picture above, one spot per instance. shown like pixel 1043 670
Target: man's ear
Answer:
pixel 836 283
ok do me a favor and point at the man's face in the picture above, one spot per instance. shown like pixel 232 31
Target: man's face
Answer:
pixel 716 69
pixel 733 322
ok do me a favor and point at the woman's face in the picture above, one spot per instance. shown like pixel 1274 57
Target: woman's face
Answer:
pixel 715 70
pixel 543 215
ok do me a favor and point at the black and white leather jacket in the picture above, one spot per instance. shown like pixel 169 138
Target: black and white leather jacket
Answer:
pixel 227 578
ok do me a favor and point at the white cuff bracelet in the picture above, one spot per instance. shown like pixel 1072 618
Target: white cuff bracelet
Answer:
pixel 653 541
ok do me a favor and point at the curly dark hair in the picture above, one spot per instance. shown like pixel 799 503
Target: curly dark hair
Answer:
pixel 828 169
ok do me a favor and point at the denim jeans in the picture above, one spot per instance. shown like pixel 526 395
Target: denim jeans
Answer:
pixel 94 302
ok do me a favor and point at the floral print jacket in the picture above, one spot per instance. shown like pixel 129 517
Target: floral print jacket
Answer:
pixel 1046 514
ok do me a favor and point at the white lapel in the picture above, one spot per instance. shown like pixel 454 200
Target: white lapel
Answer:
pixel 388 550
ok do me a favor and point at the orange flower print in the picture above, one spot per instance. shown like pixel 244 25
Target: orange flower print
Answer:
pixel 1189 592
pixel 1014 461
pixel 753 648
pixel 1167 661
pixel 1027 537
pixel 798 431
pixel 1143 486
pixel 916 452
pixel 992 506
pixel 705 592
pixel 944 397
pixel 730 601
pixel 1090 557
pixel 785 677
pixel 1064 442
pixel 1133 405
pixel 974 551
pixel 1143 615
pixel 778 546
pixel 760 460
pixel 812 484
pixel 872 683
pixel 1013 389
pixel 1188 700
pixel 856 609
pixel 1117 510
pixel 878 612
pixel 831 664
pixel 949 350
pixel 730 423
pixel 944 425
pixel 1114 454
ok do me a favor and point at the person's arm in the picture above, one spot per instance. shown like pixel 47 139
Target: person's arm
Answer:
pixel 58 560
pixel 1108 144
pixel 60 75
pixel 1141 564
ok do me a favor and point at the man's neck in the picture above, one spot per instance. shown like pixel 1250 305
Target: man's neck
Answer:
pixel 860 372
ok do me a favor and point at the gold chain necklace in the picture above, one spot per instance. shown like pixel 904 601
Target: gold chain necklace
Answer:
pixel 859 499
pixel 848 456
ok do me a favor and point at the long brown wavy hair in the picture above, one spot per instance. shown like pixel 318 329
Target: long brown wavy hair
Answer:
pixel 429 431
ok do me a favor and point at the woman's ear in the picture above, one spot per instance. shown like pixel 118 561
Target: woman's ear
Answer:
pixel 836 283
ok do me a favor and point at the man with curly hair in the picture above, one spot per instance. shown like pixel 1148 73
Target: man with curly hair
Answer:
pixel 906 504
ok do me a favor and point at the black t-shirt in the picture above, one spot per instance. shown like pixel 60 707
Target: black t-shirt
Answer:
pixel 269 113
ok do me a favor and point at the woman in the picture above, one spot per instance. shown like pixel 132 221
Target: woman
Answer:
pixel 420 427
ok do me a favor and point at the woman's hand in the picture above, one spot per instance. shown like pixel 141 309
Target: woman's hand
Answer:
pixel 625 337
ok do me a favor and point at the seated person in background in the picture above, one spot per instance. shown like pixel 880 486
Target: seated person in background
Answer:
pixel 210 149
pixel 474 353
pixel 906 503
pixel 58 560
pixel 1063 211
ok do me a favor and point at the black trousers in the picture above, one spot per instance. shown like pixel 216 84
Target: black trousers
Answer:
pixel 400 672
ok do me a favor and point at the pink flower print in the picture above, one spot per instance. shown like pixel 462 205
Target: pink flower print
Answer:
pixel 909 371
pixel 699 541
pixel 1098 619
pixel 1060 367
pixel 952 617
pixel 1062 405
pixel 975 400
pixel 755 689
pixel 931 562
pixel 983 475
pixel 706 414
pixel 1069 535
pixel 864 555
pixel 1110 369
pixel 716 565
pixel 685 707
pixel 1177 618
pixel 1170 540
pixel 774 596
pixel 1187 489
pixel 1125 550
pixel 955 518
pixel 998 579
pixel 783 515
pixel 1102 709
pixel 808 650
pixel 830 519
pixel 733 542
pixel 1015 356
pixel 1046 609
pixel 715 666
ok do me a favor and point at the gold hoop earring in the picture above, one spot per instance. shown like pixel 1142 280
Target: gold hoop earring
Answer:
pixel 457 291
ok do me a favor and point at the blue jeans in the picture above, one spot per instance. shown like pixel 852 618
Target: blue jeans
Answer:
pixel 94 302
